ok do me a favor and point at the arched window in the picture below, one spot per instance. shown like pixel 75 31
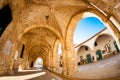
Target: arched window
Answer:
pixel 95 44
pixel 31 64
pixel 86 48
pixel 23 47
pixel 16 55
pixel 108 48
pixel 5 18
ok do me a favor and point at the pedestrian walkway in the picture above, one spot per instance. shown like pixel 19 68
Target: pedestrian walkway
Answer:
pixel 108 69
pixel 32 74
pixel 104 69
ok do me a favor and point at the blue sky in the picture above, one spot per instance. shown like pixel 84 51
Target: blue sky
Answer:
pixel 87 28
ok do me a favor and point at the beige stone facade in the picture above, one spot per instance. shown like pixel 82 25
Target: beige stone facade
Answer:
pixel 38 26
pixel 102 45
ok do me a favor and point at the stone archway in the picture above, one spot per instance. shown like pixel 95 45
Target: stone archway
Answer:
pixel 105 45
pixel 84 54
pixel 38 62
pixel 37 51
pixel 71 28
pixel 29 14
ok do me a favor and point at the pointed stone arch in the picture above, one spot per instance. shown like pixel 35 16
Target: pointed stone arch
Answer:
pixel 73 23
pixel 54 30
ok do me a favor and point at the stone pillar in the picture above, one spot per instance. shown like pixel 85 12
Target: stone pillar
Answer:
pixel 47 63
pixel 25 63
pixel 56 62
pixel 64 62
pixel 71 57
pixel 56 57
pixel 51 60
pixel 10 63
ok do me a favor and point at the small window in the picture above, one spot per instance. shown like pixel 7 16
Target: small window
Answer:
pixel 108 48
pixel 95 44
pixel 47 17
pixel 23 47
pixel 86 48
pixel 93 58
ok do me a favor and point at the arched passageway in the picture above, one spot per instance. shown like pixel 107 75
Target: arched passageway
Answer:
pixel 38 63
pixel 105 46
pixel 84 55
pixel 39 24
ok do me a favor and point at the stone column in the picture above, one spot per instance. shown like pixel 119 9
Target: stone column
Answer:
pixel 47 63
pixel 25 63
pixel 51 60
pixel 10 60
pixel 64 62
pixel 56 57
pixel 71 57
pixel 56 62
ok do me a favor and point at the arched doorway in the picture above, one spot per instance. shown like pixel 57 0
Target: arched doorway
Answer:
pixel 116 46
pixel 60 56
pixel 38 63
pixel 88 56
pixel 99 55
pixel 22 51
pixel 31 65
pixel 106 44
pixel 77 17
pixel 83 55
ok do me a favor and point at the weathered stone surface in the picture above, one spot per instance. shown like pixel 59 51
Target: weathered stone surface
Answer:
pixel 37 24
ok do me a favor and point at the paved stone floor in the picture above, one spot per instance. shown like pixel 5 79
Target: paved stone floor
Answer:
pixel 32 74
pixel 41 74
pixel 106 68
pixel 103 69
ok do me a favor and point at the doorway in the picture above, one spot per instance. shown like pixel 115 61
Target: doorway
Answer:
pixel 89 58
pixel 99 55
pixel 31 64
pixel 115 44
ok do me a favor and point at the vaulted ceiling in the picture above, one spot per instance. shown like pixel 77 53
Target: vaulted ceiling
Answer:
pixel 38 23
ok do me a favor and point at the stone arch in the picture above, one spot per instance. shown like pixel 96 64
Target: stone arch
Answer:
pixel 85 47
pixel 26 55
pixel 71 28
pixel 104 34
pixel 58 34
pixel 75 19
pixel 39 43
pixel 105 45
pixel 38 53
pixel 44 43
pixel 56 55
pixel 40 59
pixel 54 30
pixel 41 49
pixel 82 54
pixel 44 60
pixel 82 47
